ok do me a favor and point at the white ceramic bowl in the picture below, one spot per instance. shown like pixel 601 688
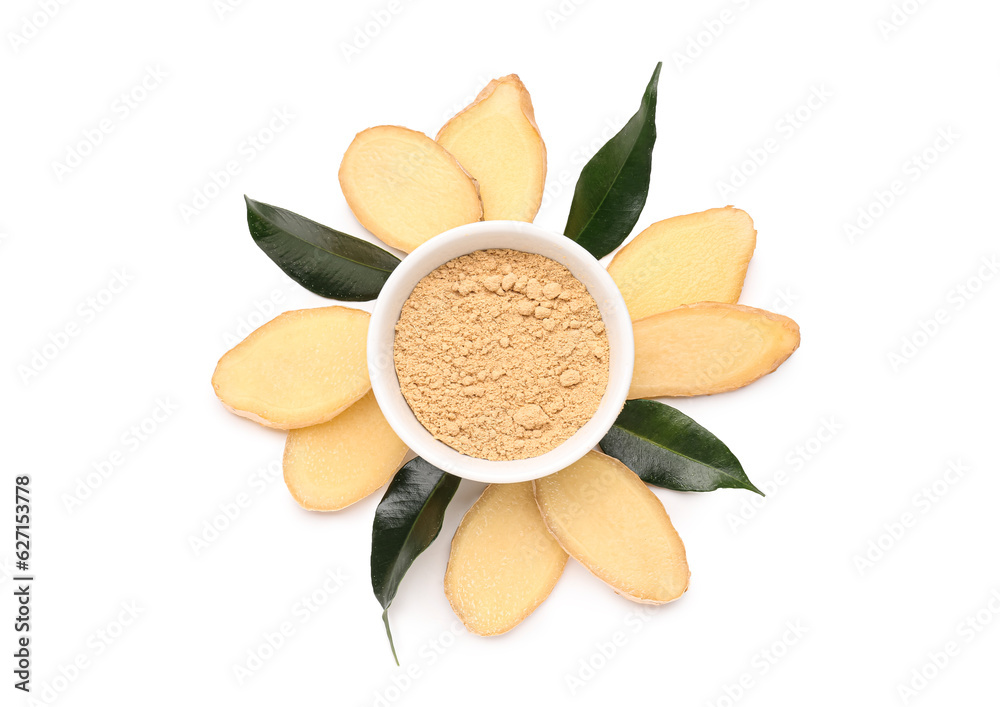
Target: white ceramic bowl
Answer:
pixel 467 239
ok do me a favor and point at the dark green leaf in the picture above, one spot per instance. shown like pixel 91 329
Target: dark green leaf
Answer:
pixel 327 262
pixel 667 448
pixel 407 520
pixel 613 186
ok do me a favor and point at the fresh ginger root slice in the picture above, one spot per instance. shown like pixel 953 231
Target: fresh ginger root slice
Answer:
pixel 300 369
pixel 337 463
pixel 405 188
pixel 503 562
pixel 699 257
pixel 606 518
pixel 497 140
pixel 708 347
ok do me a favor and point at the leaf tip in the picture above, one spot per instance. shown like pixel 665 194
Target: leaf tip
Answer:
pixel 388 632
pixel 655 80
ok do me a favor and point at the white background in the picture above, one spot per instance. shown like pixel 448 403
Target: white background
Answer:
pixel 192 282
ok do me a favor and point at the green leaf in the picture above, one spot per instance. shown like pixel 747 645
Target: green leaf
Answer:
pixel 407 520
pixel 613 186
pixel 667 448
pixel 330 263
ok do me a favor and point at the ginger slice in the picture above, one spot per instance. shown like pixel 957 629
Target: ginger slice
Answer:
pixel 497 140
pixel 300 369
pixel 405 188
pixel 699 257
pixel 503 563
pixel 337 463
pixel 605 517
pixel 708 347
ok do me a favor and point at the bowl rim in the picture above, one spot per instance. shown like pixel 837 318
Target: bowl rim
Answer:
pixel 482 235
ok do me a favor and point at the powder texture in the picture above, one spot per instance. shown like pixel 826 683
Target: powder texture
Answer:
pixel 501 354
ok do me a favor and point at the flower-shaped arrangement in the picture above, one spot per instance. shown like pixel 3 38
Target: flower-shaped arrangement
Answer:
pixel 306 371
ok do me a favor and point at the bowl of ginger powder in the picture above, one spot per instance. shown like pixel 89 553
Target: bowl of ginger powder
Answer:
pixel 500 352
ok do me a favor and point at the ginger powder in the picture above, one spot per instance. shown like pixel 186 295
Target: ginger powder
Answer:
pixel 501 354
